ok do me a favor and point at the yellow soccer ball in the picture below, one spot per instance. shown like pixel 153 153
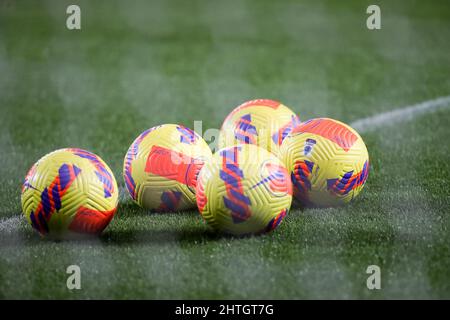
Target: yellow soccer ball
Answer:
pixel 69 191
pixel 244 189
pixel 161 167
pixel 262 122
pixel 328 162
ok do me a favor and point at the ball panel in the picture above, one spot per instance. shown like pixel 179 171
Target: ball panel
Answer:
pixel 253 103
pixel 132 155
pixel 275 222
pixel 331 129
pixel 261 122
pixel 61 183
pixel 102 171
pixel 162 165
pixel 162 195
pixel 328 161
pixel 91 221
pixel 243 189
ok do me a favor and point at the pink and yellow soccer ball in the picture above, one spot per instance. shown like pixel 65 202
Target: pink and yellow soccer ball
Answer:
pixel 261 122
pixel 69 192
pixel 244 189
pixel 328 162
pixel 161 167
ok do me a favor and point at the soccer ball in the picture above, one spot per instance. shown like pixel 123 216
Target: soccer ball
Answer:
pixel 328 162
pixel 161 167
pixel 244 189
pixel 68 192
pixel 262 122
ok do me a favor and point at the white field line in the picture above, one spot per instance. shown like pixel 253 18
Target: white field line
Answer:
pixel 399 115
pixel 362 125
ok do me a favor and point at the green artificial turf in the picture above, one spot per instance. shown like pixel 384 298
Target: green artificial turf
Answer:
pixel 137 64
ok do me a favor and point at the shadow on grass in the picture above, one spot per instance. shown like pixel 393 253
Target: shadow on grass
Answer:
pixel 161 236
pixel 130 209
pixel 21 234
pixel 180 230
pixel 126 237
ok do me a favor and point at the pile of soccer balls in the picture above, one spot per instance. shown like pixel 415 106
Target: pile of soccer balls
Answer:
pixel 267 155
